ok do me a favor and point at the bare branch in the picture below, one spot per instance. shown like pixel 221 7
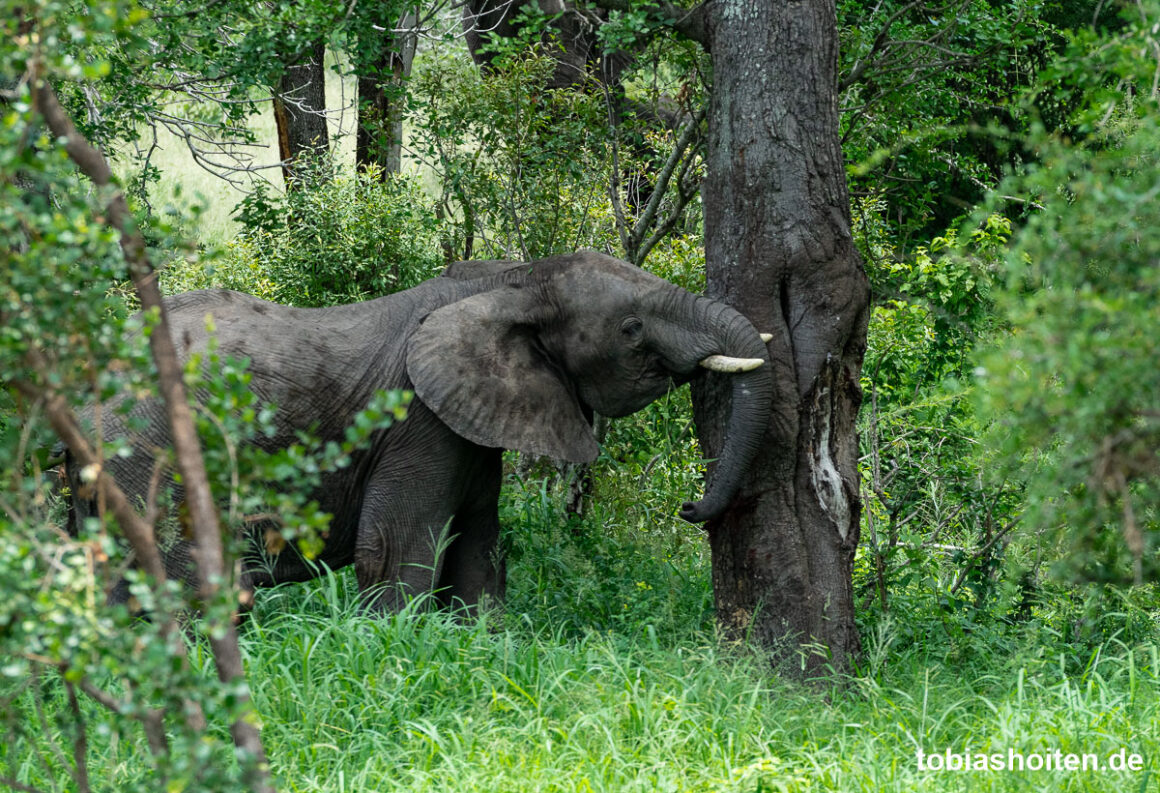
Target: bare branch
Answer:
pixel 686 191
pixel 690 133
pixel 646 232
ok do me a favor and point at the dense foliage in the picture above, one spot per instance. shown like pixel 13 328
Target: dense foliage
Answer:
pixel 354 237
pixel 521 166
pixel 1073 389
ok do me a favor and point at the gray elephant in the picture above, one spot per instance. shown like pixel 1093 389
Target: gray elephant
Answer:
pixel 500 355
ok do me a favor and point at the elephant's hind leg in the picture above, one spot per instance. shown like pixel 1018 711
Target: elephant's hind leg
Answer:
pixel 396 560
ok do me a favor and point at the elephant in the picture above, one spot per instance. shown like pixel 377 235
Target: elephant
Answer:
pixel 499 355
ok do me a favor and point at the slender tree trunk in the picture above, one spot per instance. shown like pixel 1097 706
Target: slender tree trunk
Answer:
pixel 381 95
pixel 778 247
pixel 300 111
pixel 210 556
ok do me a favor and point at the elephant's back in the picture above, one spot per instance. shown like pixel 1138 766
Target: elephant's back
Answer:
pixel 235 317
pixel 248 326
pixel 314 364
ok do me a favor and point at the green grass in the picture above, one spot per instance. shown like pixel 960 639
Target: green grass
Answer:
pixel 603 674
pixel 431 702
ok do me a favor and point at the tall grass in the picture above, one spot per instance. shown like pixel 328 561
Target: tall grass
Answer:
pixel 434 701
pixel 587 681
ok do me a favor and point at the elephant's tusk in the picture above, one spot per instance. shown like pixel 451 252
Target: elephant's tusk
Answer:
pixel 728 364
pixel 767 337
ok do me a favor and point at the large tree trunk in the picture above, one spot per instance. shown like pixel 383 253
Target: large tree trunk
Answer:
pixel 778 247
pixel 300 111
pixel 381 98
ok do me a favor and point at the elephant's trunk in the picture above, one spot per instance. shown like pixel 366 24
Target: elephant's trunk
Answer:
pixel 734 337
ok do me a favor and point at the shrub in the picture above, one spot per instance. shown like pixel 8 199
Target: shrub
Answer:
pixel 353 237
pixel 523 168
pixel 1073 388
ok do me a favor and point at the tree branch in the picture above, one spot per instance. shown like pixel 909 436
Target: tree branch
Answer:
pixel 210 554
pixel 137 531
pixel 689 22
pixel 152 719
pixel 22 788
pixel 648 216
pixel 860 66
pixel 80 742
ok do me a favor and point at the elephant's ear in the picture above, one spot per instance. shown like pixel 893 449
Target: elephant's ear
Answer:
pixel 479 367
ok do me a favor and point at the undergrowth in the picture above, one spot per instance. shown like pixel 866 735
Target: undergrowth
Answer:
pixel 566 689
pixel 602 672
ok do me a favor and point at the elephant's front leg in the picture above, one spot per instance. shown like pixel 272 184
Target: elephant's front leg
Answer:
pixel 425 475
pixel 474 569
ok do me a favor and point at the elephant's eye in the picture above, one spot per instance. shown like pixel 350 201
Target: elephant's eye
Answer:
pixel 631 328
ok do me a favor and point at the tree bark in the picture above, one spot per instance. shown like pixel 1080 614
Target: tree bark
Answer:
pixel 381 97
pixel 300 112
pixel 778 247
pixel 210 554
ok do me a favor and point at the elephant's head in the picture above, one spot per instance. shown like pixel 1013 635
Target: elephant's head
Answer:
pixel 523 362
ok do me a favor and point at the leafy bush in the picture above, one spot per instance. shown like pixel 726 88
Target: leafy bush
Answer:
pixel 338 240
pixel 936 528
pixel 679 259
pixel 920 120
pixel 1074 388
pixel 523 168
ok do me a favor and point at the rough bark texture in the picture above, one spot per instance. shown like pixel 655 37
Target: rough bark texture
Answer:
pixel 211 563
pixel 779 248
pixel 299 110
pixel 381 98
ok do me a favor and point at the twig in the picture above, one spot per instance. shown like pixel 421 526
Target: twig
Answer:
pixel 80 742
pixel 152 719
pixel 962 577
pixel 8 781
